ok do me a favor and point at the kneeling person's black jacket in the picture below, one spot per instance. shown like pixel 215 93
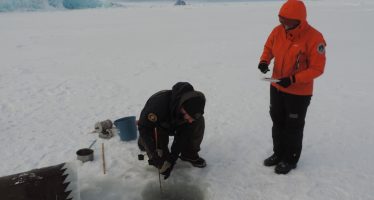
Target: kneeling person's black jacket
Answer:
pixel 162 111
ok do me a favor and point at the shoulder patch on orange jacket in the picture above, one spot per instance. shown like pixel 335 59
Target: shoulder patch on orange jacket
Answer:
pixel 321 48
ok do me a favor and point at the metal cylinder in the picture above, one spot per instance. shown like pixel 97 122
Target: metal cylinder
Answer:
pixel 85 155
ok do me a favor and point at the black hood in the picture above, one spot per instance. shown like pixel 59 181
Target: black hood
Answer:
pixel 178 90
pixel 193 103
pixel 183 92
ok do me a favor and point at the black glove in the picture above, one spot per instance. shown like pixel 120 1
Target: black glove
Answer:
pixel 166 169
pixel 263 67
pixel 286 82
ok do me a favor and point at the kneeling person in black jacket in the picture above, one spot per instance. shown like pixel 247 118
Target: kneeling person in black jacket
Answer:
pixel 179 113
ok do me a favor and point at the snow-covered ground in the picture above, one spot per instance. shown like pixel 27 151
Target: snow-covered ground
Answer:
pixel 62 71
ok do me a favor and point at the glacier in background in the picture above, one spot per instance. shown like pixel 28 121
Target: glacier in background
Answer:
pixel 35 5
pixel 32 5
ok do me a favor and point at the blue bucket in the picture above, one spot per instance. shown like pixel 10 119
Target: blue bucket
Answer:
pixel 127 128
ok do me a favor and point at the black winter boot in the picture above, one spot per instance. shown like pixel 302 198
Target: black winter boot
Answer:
pixel 197 162
pixel 284 167
pixel 272 160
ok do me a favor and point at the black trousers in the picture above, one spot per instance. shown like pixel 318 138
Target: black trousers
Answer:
pixel 187 140
pixel 288 113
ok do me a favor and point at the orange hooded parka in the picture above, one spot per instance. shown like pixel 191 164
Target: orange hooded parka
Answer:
pixel 299 52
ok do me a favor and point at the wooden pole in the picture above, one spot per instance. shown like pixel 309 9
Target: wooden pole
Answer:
pixel 103 156
pixel 159 175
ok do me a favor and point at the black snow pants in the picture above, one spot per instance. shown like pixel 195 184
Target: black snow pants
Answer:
pixel 187 140
pixel 288 113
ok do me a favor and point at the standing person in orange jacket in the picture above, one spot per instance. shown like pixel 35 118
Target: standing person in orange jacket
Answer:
pixel 298 51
